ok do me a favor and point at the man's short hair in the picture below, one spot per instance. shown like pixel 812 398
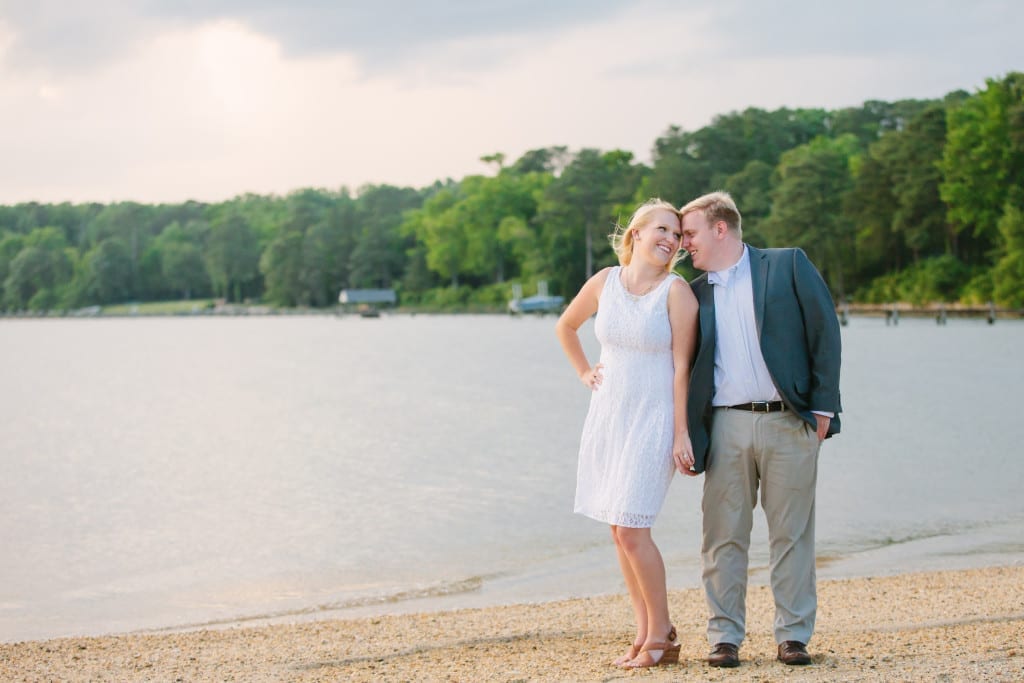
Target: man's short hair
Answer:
pixel 717 206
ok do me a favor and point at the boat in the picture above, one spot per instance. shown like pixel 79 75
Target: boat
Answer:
pixel 536 304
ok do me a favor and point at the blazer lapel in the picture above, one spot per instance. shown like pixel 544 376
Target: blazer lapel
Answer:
pixel 758 283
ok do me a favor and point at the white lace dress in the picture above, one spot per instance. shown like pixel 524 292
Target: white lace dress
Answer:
pixel 625 459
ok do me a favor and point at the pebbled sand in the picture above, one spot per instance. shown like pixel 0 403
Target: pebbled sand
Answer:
pixel 941 626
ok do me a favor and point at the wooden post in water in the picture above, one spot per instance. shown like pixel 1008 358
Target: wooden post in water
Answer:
pixel 991 313
pixel 892 316
pixel 940 319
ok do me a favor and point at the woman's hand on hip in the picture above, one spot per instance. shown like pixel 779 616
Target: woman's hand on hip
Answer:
pixel 592 378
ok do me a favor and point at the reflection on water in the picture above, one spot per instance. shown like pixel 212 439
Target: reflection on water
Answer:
pixel 163 472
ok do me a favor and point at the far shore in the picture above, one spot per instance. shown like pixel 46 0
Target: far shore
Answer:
pixel 203 308
pixel 962 625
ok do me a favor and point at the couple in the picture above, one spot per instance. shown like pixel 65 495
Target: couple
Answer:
pixel 735 376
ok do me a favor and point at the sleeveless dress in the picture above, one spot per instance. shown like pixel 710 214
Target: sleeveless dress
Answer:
pixel 625 457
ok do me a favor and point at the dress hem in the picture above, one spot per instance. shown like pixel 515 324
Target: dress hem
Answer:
pixel 616 519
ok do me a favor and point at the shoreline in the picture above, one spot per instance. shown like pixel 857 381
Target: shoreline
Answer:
pixel 965 624
pixel 887 310
pixel 586 575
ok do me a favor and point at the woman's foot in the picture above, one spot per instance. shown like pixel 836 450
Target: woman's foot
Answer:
pixel 631 653
pixel 655 654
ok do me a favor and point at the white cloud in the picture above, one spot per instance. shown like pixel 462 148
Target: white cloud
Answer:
pixel 218 110
pixel 209 110
pixel 382 35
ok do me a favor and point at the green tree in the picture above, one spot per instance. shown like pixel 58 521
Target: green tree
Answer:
pixel 10 245
pixel 378 257
pixel 873 119
pixel 983 159
pixel 232 256
pixel 521 240
pixel 806 205
pixel 325 252
pixel 133 225
pixel 579 209
pixel 264 216
pixel 418 277
pixel 680 170
pixel 108 273
pixel 281 266
pixel 546 160
pixel 437 227
pixel 869 205
pixel 484 205
pixel 920 215
pixel 751 188
pixel 179 252
pixel 688 164
pixel 474 218
pixel 183 269
pixel 28 273
pixel 40 271
pixel 1008 274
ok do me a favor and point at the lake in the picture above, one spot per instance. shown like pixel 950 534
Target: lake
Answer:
pixel 161 473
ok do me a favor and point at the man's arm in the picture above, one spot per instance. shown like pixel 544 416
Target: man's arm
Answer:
pixel 821 330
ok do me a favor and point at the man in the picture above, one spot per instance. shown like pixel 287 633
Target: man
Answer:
pixel 764 393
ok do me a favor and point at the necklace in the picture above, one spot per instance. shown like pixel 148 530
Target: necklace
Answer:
pixel 631 295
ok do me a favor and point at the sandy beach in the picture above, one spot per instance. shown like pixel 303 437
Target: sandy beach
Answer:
pixel 941 626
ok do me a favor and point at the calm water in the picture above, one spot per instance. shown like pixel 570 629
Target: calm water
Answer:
pixel 162 473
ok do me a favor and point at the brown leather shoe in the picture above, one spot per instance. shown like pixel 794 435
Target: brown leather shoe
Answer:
pixel 793 652
pixel 725 655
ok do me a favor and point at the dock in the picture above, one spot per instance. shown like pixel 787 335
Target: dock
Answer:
pixel 941 312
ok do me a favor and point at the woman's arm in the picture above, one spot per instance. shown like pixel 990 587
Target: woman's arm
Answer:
pixel 582 307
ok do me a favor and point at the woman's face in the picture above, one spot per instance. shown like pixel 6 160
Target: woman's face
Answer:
pixel 659 237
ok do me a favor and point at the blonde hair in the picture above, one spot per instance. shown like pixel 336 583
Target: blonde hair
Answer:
pixel 717 206
pixel 622 238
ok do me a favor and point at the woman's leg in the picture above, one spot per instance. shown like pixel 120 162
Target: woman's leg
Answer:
pixel 636 597
pixel 648 568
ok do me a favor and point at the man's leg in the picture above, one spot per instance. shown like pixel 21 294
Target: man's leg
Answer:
pixel 789 472
pixel 730 490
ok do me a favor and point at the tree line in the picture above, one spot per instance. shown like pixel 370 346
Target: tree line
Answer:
pixel 914 200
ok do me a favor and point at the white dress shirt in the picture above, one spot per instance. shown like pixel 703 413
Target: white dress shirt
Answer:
pixel 737 346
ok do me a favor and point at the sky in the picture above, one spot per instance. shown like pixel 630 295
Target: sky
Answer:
pixel 167 101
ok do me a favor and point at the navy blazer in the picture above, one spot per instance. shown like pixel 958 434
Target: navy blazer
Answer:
pixel 800 340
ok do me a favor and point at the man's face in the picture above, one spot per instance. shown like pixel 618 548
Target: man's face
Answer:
pixel 699 240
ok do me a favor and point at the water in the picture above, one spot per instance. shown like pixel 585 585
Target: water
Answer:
pixel 175 472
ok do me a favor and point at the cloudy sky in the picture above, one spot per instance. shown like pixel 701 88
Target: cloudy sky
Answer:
pixel 168 100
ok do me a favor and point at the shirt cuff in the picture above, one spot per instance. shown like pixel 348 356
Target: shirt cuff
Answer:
pixel 825 413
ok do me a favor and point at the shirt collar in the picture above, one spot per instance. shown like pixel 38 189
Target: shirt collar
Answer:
pixel 738 269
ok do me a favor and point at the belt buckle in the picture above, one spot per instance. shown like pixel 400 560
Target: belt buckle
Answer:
pixel 760 406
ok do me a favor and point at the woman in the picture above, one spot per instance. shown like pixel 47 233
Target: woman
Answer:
pixel 635 433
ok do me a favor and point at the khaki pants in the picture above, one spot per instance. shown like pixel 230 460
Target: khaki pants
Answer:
pixel 777 452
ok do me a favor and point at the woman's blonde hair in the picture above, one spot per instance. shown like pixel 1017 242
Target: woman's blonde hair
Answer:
pixel 622 238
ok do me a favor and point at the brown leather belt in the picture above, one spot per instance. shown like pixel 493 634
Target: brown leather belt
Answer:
pixel 761 406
